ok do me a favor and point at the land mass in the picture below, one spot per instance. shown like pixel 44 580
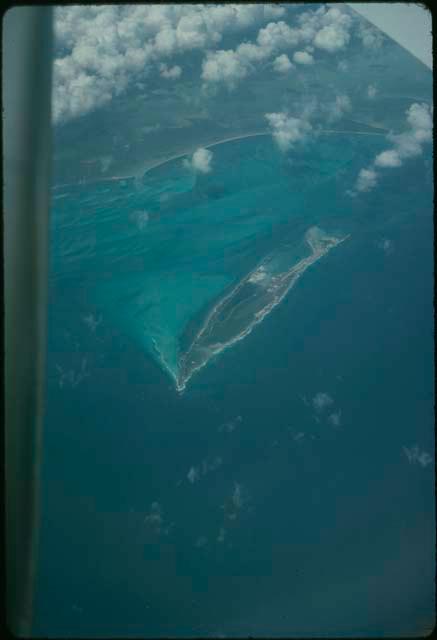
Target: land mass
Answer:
pixel 236 314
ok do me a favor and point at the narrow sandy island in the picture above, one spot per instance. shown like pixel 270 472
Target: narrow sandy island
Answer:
pixel 148 167
pixel 205 146
pixel 221 329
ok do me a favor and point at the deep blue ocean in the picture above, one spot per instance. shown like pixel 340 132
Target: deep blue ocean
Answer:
pixel 305 524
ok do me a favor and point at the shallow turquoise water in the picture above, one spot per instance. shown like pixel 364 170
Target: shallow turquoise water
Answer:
pixel 201 234
pixel 331 522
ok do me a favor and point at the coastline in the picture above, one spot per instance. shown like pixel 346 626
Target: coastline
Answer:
pixel 290 278
pixel 158 163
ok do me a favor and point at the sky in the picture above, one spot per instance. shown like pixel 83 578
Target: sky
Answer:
pixel 408 23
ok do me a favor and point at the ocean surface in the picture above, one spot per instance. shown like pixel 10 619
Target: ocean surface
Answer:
pixel 234 504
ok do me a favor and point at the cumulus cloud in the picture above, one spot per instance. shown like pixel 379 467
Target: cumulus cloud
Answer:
pixel 105 163
pixel 371 91
pixel 327 29
pixel 389 158
pixel 201 541
pixel 92 321
pixel 230 66
pixel 231 425
pixel 367 179
pixel 211 465
pixel 287 130
pixel 170 73
pixel 237 496
pixel 405 145
pixel 335 419
pixel 239 501
pixel 155 520
pixel 385 245
pixel 72 377
pixel 277 36
pixel 193 475
pixel 303 57
pixel 282 64
pixel 322 401
pixel 200 161
pixel 324 29
pixel 205 467
pixel 416 456
pixel 419 117
pixel 339 108
pixel 331 38
pixel 224 67
pixel 140 219
pixel 370 36
pixel 222 534
pixel 101 50
pixel 240 63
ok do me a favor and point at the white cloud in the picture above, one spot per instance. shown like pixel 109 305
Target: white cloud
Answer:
pixel 222 534
pixel 335 419
pixel 193 475
pixel 206 467
pixel 303 57
pixel 282 64
pixel 339 108
pixel 231 66
pixel 415 455
pixel 287 130
pixel 238 502
pixel 248 53
pixel 101 50
pixel 386 245
pixel 105 163
pixel 141 219
pixel 278 36
pixel 322 401
pixel 200 161
pixel 231 425
pixel 388 158
pixel 367 179
pixel 237 496
pixel 149 128
pixel 170 72
pixel 371 91
pixel 92 321
pixel 419 117
pixel 327 29
pixel 201 541
pixel 405 145
pixel 155 520
pixel 370 36
pixel 224 67
pixel 73 377
pixel 213 465
pixel 331 38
